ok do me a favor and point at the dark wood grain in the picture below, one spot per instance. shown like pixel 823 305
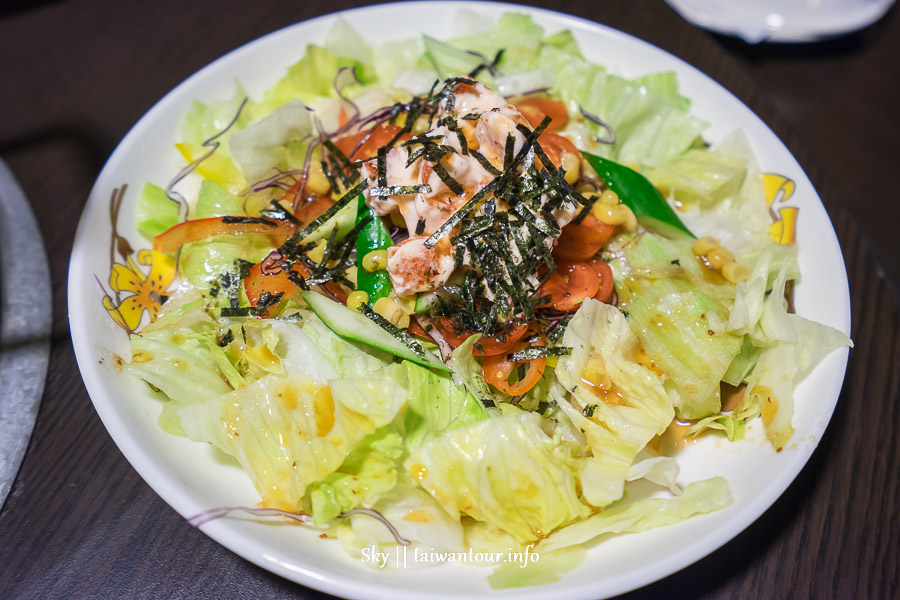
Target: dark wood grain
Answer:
pixel 81 523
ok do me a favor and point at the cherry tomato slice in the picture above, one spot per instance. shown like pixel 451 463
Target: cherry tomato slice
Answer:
pixel 535 109
pixel 604 272
pixel 583 240
pixel 570 285
pixel 200 229
pixel 556 146
pixel 278 283
pixel 312 209
pixel 498 344
pixel 365 144
pixel 497 369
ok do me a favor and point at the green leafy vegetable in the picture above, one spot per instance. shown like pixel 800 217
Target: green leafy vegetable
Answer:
pixel 644 200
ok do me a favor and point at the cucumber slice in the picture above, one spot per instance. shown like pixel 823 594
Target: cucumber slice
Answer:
pixel 352 325
pixel 428 302
pixel 449 60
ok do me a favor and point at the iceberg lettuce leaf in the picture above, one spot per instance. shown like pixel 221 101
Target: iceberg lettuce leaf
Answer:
pixel 203 121
pixel 155 212
pixel 369 472
pixel 287 431
pixel 178 362
pixel 504 470
pixel 346 358
pixel 436 405
pixel 417 518
pixel 617 423
pixel 213 201
pixel 699 497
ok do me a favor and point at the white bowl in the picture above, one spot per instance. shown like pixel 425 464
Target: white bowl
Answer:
pixel 192 477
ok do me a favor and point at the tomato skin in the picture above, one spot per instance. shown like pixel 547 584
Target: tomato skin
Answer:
pixel 556 147
pixel 536 108
pixel 257 282
pixel 498 344
pixel 581 241
pixel 310 210
pixel 570 285
pixel 604 272
pixel 369 141
pixel 278 283
pixel 201 229
pixel 496 369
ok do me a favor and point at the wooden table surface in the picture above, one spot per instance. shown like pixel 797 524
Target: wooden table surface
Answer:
pixel 80 522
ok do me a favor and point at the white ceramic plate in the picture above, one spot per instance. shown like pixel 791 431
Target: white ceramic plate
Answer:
pixel 191 477
pixel 782 20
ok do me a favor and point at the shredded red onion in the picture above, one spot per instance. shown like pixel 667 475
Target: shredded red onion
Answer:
pixel 276 180
pixel 371 512
pixel 610 137
pixel 217 513
pixel 304 176
pixel 273 264
pixel 542 90
pixel 212 514
pixel 213 145
pixel 344 77
pixel 553 326
pixel 398 234
pixel 426 323
pixel 381 115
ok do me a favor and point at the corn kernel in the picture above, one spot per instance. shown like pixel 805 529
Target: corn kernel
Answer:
pixel 609 197
pixel 317 253
pixel 630 224
pixel 735 272
pixel 376 260
pixel 706 244
pixel 351 275
pixel 407 303
pixel 572 165
pixel 611 214
pixel 587 189
pixel 390 310
pixel 355 299
pixel 719 257
pixel 316 182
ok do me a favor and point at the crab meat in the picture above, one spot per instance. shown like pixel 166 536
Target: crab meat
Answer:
pixel 415 268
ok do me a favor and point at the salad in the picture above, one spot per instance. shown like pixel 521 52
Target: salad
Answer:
pixel 454 296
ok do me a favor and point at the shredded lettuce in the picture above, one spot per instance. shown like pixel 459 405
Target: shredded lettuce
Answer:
pixel 794 346
pixel 681 320
pixel 504 470
pixel 417 518
pixel 213 201
pixel 179 363
pixel 261 147
pixel 621 417
pixel 288 432
pixel 367 474
pixel 436 405
pixel 699 497
pixel 155 212
pixel 203 121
